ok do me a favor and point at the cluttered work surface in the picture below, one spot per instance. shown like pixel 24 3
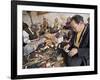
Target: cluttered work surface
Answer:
pixel 46 51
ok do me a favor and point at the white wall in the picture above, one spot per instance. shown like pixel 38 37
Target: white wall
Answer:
pixel 51 17
pixel 5 29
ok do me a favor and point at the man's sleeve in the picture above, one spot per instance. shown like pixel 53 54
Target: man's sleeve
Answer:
pixel 84 50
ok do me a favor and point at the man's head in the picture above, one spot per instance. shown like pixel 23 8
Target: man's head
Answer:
pixel 44 19
pixel 68 19
pixel 77 23
pixel 56 19
pixel 25 26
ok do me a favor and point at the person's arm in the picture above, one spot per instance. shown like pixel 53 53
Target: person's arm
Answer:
pixel 84 49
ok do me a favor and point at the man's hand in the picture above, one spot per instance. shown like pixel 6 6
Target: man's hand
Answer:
pixel 67 46
pixel 73 52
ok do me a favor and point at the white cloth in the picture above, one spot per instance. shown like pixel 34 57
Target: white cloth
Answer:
pixel 32 46
pixel 26 37
pixel 28 49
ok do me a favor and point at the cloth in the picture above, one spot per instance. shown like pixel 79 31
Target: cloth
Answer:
pixel 26 37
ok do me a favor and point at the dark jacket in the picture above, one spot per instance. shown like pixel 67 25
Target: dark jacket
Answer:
pixel 83 49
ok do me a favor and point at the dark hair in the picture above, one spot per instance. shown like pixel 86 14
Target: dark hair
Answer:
pixel 77 19
pixel 25 26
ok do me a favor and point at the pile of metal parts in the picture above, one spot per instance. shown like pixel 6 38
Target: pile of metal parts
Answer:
pixel 45 52
pixel 45 59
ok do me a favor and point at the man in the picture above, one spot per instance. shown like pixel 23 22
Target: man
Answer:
pixel 55 26
pixel 67 24
pixel 28 34
pixel 45 24
pixel 28 37
pixel 79 47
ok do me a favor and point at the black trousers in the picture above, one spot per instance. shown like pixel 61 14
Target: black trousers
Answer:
pixel 76 60
pixel 73 61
